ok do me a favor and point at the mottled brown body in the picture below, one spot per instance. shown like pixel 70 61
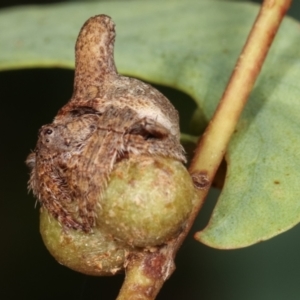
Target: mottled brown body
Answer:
pixel 108 118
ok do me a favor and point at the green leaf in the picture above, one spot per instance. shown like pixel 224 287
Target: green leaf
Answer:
pixel 192 46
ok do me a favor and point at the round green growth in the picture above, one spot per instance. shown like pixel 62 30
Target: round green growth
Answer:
pixel 147 200
pixel 89 253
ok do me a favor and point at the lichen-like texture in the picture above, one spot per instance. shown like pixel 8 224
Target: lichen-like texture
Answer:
pixel 147 201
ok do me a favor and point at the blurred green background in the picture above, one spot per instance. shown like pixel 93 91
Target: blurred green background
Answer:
pixel 31 98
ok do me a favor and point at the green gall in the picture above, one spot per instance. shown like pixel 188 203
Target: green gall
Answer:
pixel 147 200
pixel 89 253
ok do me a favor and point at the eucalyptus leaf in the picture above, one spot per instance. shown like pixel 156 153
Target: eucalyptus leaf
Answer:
pixel 193 46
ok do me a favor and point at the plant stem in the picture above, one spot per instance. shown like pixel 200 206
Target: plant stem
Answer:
pixel 212 147
pixel 213 144
pixel 145 274
pixel 210 150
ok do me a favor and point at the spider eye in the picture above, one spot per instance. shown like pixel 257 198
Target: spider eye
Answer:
pixel 48 131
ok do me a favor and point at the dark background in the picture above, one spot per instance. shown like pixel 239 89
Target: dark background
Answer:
pixel 31 98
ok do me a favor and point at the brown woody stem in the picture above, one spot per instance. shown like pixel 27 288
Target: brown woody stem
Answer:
pixel 213 144
pixel 211 149
pixel 145 274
